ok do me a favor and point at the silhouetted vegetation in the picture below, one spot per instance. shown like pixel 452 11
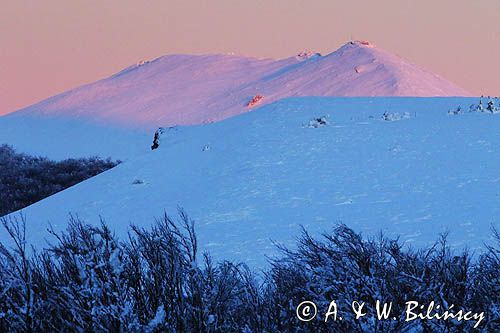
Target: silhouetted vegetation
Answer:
pixel 157 281
pixel 26 179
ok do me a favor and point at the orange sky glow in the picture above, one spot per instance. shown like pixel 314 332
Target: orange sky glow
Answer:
pixel 50 46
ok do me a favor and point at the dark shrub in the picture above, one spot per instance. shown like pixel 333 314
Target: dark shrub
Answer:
pixel 155 281
pixel 26 179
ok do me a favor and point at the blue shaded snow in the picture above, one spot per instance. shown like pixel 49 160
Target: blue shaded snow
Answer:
pixel 257 177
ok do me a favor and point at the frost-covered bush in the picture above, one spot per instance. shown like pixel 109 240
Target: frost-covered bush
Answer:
pixel 455 112
pixel 343 266
pixel 491 106
pixel 156 281
pixel 26 179
pixel 158 136
pixel 318 122
pixel 394 116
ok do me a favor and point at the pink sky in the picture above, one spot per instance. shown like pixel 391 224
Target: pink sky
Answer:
pixel 47 47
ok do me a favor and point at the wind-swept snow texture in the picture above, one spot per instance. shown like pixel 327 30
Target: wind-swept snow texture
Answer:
pixel 257 177
pixel 191 89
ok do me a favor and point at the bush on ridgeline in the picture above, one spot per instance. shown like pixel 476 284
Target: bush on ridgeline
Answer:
pixel 490 106
pixel 26 179
pixel 156 281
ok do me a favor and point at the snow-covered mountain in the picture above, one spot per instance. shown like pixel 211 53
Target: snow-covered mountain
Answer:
pixel 306 161
pixel 191 89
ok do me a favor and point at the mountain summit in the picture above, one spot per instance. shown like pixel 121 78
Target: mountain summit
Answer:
pixel 195 89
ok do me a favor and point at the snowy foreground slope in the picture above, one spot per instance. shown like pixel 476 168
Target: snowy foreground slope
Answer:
pixel 256 177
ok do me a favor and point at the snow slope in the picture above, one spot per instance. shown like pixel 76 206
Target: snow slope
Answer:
pixel 258 176
pixel 191 89
pixel 61 138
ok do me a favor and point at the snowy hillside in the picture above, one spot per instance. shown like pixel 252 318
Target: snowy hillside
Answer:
pixel 98 118
pixel 60 138
pixel 306 161
pixel 190 89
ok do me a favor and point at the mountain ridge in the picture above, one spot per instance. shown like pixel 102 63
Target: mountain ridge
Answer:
pixel 195 89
